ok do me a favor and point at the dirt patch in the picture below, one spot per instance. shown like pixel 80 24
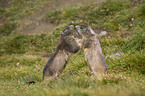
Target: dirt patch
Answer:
pixel 34 23
pixel 5 3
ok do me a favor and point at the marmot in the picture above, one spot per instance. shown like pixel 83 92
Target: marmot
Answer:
pixel 73 38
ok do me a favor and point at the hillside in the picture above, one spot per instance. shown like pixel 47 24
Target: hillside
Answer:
pixel 30 31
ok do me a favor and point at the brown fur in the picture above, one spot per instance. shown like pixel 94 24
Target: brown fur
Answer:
pixel 58 60
pixel 73 38
pixel 93 51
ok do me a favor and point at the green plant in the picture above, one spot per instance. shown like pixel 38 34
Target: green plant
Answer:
pixel 136 42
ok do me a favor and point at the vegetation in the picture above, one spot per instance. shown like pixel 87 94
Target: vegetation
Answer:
pixel 23 56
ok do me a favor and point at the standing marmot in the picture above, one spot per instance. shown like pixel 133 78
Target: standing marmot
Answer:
pixel 73 38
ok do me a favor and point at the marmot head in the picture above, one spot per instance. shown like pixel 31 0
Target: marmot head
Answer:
pixel 84 30
pixel 76 37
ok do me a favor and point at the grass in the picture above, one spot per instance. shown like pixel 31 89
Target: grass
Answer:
pixel 23 57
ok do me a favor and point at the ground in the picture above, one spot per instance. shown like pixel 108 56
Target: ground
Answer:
pixel 30 31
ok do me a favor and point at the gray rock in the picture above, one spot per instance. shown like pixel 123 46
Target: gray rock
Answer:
pixel 102 33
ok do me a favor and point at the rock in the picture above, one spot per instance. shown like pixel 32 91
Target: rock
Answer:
pixel 102 33
pixel 116 55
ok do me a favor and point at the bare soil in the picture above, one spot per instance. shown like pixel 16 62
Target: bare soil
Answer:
pixel 5 3
pixel 34 23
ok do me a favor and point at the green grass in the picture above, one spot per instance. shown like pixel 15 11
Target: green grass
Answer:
pixel 23 57
pixel 22 8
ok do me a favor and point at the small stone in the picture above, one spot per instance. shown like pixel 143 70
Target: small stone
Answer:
pixel 102 33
